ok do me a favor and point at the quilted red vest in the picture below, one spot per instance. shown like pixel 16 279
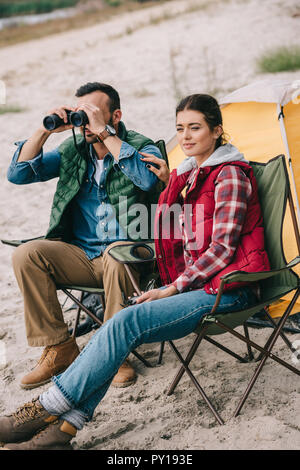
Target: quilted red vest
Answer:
pixel 250 254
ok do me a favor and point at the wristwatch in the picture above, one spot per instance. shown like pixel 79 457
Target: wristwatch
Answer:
pixel 108 130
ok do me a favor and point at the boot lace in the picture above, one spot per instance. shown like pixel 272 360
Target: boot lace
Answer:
pixel 28 412
pixel 47 356
pixel 44 354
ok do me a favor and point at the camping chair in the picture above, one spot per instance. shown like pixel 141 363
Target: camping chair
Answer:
pixel 137 253
pixel 274 193
pixel 67 289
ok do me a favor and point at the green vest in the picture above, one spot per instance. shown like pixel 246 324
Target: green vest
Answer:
pixel 121 191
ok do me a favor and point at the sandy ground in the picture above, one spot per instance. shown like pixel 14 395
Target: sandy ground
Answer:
pixel 152 59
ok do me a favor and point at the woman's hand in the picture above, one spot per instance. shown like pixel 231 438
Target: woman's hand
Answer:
pixel 156 294
pixel 162 172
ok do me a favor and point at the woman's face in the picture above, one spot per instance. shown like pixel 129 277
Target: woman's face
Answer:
pixel 194 136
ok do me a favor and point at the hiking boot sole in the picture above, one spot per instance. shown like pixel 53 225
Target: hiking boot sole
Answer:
pixel 39 384
pixel 123 384
pixel 31 386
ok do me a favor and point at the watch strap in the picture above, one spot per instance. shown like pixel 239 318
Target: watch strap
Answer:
pixel 102 135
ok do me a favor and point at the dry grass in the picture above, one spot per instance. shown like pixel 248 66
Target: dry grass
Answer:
pixel 27 7
pixel 281 59
pixel 4 109
pixel 89 17
pixel 143 93
pixel 166 15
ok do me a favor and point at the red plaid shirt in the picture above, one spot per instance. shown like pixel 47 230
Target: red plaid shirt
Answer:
pixel 232 192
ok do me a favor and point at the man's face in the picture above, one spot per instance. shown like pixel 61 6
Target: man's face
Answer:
pixel 101 100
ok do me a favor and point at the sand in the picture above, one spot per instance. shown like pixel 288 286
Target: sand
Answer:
pixel 152 57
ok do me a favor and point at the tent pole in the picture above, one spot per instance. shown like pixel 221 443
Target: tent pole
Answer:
pixel 285 141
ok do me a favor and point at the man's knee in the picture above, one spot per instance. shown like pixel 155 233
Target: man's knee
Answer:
pixel 26 253
pixel 112 266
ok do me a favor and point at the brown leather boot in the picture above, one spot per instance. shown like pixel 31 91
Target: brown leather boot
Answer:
pixel 54 360
pixel 26 421
pixel 125 376
pixel 56 436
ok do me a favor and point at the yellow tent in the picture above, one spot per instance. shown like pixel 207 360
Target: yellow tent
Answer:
pixel 263 120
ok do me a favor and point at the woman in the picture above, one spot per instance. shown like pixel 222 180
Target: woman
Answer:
pixel 219 230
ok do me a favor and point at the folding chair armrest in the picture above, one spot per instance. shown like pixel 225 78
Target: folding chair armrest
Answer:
pixel 242 276
pixel 131 252
pixel 20 242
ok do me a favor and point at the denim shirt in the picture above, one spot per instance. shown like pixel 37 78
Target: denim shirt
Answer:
pixel 93 217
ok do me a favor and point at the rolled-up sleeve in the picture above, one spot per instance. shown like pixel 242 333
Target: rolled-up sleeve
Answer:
pixel 42 167
pixel 134 168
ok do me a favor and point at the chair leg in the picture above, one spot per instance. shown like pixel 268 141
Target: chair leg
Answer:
pixel 83 307
pixel 102 299
pixel 141 358
pixel 135 286
pixel 196 383
pixel 259 348
pixel 285 339
pixel 267 353
pixel 77 315
pixel 250 353
pixel 65 301
pixel 228 351
pixel 187 360
pixel 161 351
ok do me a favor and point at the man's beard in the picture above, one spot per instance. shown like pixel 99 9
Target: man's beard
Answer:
pixel 93 139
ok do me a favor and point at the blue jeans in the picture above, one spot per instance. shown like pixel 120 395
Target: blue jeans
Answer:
pixel 88 378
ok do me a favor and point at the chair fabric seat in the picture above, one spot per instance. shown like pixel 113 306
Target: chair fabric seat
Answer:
pixel 90 290
pixel 234 319
pixel 132 252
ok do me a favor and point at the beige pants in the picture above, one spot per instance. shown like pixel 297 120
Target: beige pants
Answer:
pixel 40 265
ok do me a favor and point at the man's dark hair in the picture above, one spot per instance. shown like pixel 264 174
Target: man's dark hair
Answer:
pixel 114 98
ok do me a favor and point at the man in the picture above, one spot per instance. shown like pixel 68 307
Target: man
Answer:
pixel 95 171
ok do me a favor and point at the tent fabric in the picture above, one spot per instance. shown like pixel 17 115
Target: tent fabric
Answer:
pixel 265 91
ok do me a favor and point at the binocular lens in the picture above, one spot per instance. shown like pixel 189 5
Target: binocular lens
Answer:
pixel 52 122
pixel 77 119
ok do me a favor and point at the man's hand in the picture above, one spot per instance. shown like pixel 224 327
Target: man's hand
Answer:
pixel 61 112
pixel 34 144
pixel 162 172
pixel 96 122
pixel 156 294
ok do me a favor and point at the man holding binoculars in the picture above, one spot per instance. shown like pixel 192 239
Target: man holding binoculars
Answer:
pixel 95 169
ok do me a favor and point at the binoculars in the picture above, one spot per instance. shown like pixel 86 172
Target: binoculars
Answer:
pixel 76 118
